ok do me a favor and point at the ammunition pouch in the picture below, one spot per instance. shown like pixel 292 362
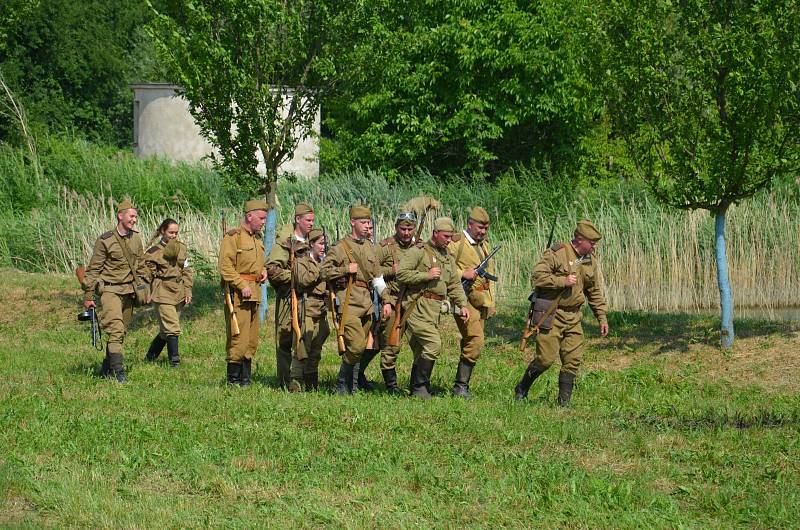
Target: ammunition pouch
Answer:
pixel 540 307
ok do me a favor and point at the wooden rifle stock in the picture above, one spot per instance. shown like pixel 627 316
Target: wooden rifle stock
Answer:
pixel 298 334
pixel 227 291
pixel 80 273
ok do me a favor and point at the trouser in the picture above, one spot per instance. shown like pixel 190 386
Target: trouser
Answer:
pixel 388 353
pixel 315 333
pixel 356 330
pixel 422 329
pixel 283 340
pixel 115 317
pixel 472 334
pixel 564 341
pixel 242 346
pixel 168 319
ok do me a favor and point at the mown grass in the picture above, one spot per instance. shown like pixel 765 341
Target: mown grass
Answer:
pixel 661 433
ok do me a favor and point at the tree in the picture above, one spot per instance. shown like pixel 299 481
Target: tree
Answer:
pixel 253 72
pixel 706 96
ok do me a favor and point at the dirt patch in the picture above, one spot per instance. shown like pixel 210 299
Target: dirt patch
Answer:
pixel 15 510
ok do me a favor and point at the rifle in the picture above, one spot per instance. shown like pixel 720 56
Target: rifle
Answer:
pixel 90 314
pixel 298 334
pixel 227 291
pixel 394 335
pixel 530 326
pixel 481 271
pixel 333 302
pixel 372 339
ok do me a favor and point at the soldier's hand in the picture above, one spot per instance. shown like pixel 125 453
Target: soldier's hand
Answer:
pixel 571 280
pixel 604 329
pixel 464 314
pixel 387 312
pixel 469 274
pixel 188 299
pixel 263 277
pixel 247 292
pixel 434 273
pixel 353 268
pixel 88 304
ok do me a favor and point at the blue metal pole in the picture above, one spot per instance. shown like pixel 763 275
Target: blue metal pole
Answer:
pixel 269 239
pixel 725 294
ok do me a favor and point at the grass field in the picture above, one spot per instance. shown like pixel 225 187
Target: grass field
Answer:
pixel 665 431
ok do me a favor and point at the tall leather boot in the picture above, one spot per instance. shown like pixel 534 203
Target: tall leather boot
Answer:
pixel 344 381
pixel 244 377
pixel 414 370
pixel 117 368
pixel 390 379
pixel 421 379
pixel 366 357
pixel 234 374
pixel 105 368
pixel 155 349
pixel 172 350
pixel 566 381
pixel 531 373
pixel 311 381
pixel 463 375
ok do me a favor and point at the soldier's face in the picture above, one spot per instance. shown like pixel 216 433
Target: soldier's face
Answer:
pixel 128 218
pixel 304 223
pixel 441 238
pixel 477 231
pixel 171 232
pixel 583 246
pixel 405 232
pixel 255 220
pixel 318 247
pixel 362 228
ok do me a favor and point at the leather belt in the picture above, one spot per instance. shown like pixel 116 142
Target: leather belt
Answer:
pixel 433 296
pixel 250 277
pixel 318 296
pixel 572 309
pixel 359 283
pixel 482 287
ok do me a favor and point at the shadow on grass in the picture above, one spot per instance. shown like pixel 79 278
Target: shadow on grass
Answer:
pixel 667 331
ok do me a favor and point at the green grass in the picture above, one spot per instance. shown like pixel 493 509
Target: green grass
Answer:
pixel 666 431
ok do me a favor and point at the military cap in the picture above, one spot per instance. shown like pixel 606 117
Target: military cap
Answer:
pixel 359 211
pixel 480 215
pixel 315 233
pixel 125 205
pixel 255 204
pixel 302 208
pixel 588 230
pixel 444 224
pixel 406 218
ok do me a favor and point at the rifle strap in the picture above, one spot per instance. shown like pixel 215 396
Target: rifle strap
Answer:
pixel 127 253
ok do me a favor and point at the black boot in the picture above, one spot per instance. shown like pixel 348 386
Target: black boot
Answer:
pixel 172 351
pixel 414 370
pixel 311 381
pixel 566 381
pixel 531 373
pixel 463 375
pixel 105 368
pixel 155 349
pixel 117 367
pixel 421 380
pixel 366 357
pixel 244 377
pixel 234 374
pixel 344 381
pixel 390 378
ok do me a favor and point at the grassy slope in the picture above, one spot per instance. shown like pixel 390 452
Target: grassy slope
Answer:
pixel 665 431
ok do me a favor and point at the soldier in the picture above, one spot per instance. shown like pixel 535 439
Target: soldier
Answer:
pixel 312 292
pixel 430 275
pixel 241 267
pixel 565 277
pixel 390 251
pixel 172 289
pixel 351 266
pixel 116 269
pixel 280 277
pixel 469 250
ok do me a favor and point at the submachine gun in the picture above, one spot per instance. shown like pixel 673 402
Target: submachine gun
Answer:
pixel 481 271
pixel 90 315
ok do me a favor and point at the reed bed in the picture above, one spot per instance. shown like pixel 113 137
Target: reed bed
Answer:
pixel 653 258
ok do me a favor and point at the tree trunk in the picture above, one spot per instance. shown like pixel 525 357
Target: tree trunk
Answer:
pixel 269 236
pixel 725 294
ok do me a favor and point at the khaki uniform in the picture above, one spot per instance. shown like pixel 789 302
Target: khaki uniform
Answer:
pixel 390 253
pixel 565 339
pixel 358 314
pixel 481 297
pixel 424 297
pixel 241 261
pixel 312 294
pixel 109 276
pixel 280 277
pixel 172 284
